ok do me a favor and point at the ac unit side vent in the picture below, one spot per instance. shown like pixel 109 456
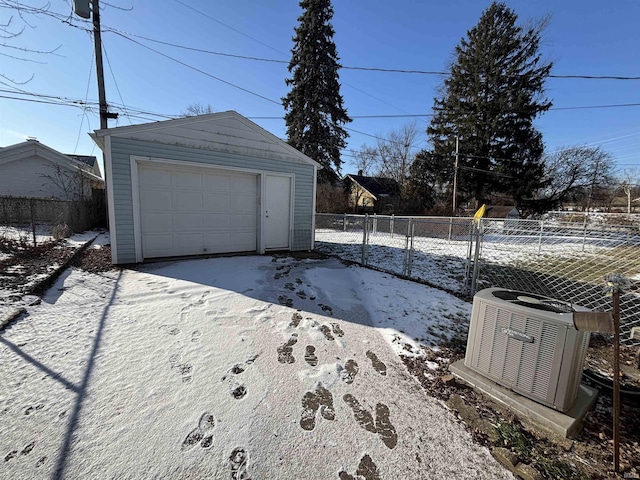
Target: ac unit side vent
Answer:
pixel 544 364
pixel 488 327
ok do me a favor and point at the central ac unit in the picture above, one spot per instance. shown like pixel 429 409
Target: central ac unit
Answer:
pixel 527 343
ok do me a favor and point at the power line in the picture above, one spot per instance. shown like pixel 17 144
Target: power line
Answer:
pixel 104 49
pixel 345 67
pixel 198 70
pixel 84 113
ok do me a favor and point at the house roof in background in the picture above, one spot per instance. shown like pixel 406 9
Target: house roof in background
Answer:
pixel 376 186
pixel 88 160
pixel 18 151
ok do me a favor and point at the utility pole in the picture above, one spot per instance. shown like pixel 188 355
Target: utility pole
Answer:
pixel 455 179
pixel 97 43
pixel 81 8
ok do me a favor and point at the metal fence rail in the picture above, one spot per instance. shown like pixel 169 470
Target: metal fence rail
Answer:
pixel 434 250
pixel 563 260
pixel 567 260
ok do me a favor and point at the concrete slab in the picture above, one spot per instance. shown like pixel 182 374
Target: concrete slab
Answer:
pixel 567 424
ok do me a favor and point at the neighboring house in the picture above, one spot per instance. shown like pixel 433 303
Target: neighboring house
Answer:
pixel 215 183
pixel 371 194
pixel 31 169
pixel 88 162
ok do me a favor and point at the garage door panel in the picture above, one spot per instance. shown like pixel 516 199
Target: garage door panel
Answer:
pixel 218 221
pixel 245 184
pixel 184 200
pixel 191 211
pixel 190 244
pixel 216 182
pixel 155 177
pixel 155 222
pixel 158 242
pixel 151 199
pixel 188 221
pixel 217 202
pixel 243 222
pixel 218 243
pixel 187 180
pixel 224 242
pixel 244 203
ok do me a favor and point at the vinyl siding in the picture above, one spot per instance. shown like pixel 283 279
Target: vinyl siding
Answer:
pixel 122 149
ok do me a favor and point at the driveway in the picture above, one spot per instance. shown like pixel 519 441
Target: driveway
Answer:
pixel 246 367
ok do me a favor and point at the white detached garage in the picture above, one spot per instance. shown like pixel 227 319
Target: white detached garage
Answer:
pixel 209 184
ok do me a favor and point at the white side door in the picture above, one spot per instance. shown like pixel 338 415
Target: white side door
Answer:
pixel 277 212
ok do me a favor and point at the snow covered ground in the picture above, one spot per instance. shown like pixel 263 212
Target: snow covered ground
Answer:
pixel 444 263
pixel 244 367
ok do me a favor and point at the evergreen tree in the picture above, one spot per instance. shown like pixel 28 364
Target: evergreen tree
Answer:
pixel 490 100
pixel 314 107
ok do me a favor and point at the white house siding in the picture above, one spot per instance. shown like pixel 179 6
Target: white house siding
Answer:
pixel 122 149
pixel 32 177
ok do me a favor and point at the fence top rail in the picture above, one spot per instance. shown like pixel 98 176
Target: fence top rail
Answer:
pixel 395 217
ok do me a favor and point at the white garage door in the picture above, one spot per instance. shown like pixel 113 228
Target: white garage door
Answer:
pixel 191 211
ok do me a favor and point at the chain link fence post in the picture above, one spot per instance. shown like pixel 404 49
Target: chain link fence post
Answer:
pixel 365 238
pixel 476 261
pixel 391 225
pixel 540 240
pixel 410 262
pixel 344 223
pixel 405 256
pixel 467 271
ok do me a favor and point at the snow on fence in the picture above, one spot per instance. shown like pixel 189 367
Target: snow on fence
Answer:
pixel 559 259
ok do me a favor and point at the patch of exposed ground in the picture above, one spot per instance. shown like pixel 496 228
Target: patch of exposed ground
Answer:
pixel 589 456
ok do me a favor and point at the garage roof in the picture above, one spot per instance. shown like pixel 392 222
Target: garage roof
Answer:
pixel 224 131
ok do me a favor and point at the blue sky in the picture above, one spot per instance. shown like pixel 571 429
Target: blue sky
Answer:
pixel 584 37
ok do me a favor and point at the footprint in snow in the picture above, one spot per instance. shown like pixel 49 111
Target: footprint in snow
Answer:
pixel 29 410
pixel 201 434
pixel 382 424
pixel 377 364
pixel 326 308
pixel 366 469
pixel 285 301
pixel 238 389
pixel 337 330
pixel 350 371
pixel 327 333
pixel 185 370
pixel 238 461
pixel 312 402
pixel 285 350
pixel 310 355
pixel 296 318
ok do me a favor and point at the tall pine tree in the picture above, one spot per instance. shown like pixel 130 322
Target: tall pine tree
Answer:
pixel 314 107
pixel 490 100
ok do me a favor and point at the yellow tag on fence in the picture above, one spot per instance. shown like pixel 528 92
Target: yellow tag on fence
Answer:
pixel 480 213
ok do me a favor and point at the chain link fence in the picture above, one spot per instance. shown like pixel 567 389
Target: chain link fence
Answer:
pixel 433 250
pixel 562 259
